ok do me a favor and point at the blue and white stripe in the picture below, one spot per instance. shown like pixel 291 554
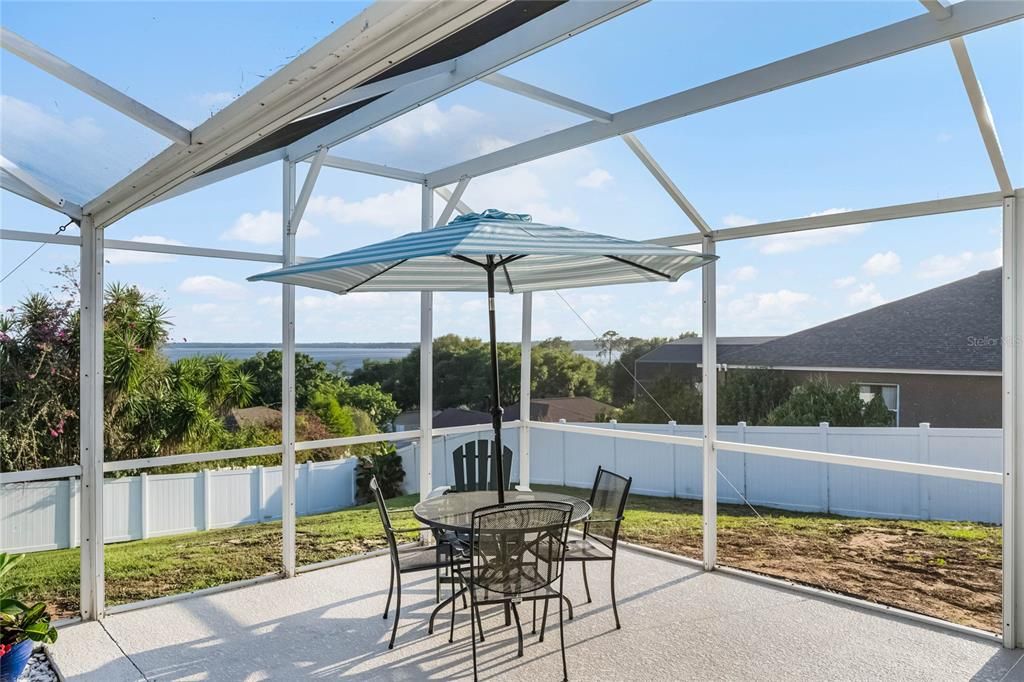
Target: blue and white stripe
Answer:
pixel 556 258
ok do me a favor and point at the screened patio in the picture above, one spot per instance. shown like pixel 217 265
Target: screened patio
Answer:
pixel 321 619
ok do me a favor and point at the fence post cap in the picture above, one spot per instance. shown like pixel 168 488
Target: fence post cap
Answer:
pixel 823 425
pixel 561 421
pixel 671 422
pixel 743 424
pixel 924 425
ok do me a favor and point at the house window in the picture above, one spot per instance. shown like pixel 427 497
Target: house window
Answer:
pixel 890 396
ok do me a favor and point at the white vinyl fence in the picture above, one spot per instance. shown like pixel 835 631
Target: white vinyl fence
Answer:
pixel 42 515
pixel 571 459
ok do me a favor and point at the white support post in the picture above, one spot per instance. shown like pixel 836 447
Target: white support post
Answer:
pixel 91 416
pixel 709 393
pixel 525 360
pixel 144 505
pixel 1013 421
pixel 288 378
pixel 446 194
pixel 924 457
pixel 426 453
pixel 207 506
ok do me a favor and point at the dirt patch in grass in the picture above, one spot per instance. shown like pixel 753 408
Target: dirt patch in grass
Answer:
pixel 949 570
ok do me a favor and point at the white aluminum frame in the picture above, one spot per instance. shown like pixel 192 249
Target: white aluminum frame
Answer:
pixel 383 34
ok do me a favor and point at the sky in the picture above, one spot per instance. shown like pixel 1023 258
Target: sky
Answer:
pixel 895 131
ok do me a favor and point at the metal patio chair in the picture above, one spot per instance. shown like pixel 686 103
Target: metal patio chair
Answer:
pixel 447 554
pixel 516 555
pixel 601 531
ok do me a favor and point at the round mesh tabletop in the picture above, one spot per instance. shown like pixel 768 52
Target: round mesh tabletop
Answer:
pixel 454 511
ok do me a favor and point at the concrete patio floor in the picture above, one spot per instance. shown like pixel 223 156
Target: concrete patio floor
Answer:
pixel 679 623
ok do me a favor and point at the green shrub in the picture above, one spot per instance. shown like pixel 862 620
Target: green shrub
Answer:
pixel 388 470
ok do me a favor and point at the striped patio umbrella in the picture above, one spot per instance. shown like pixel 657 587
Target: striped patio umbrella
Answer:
pixel 485 251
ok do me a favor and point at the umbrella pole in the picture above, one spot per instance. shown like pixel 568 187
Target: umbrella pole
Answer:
pixel 496 411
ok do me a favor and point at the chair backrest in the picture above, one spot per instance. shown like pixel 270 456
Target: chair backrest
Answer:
pixel 385 519
pixel 519 547
pixel 476 467
pixel 608 499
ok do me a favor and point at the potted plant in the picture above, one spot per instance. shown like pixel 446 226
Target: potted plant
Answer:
pixel 22 625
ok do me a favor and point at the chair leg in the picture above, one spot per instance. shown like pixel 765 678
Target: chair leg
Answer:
pixel 534 617
pixel 391 589
pixel 586 584
pixel 561 637
pixel 519 628
pixel 479 621
pixel 472 638
pixel 544 619
pixel 615 606
pixel 398 610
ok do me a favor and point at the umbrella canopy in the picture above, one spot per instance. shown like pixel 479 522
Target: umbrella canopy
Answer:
pixel 474 251
pixel 530 257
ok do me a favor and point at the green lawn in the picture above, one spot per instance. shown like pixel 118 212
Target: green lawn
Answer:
pixel 947 569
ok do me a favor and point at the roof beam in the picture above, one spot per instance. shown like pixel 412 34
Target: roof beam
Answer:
pixel 15 179
pixel 368 168
pixel 92 86
pixel 969 202
pixel 666 182
pixel 383 87
pixel 551 27
pixel 383 34
pixel 556 100
pixel 547 97
pixel 903 36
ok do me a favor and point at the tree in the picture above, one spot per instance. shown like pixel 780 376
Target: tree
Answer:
pixel 819 401
pixel 749 395
pixel 311 376
pixel 608 344
pixel 371 399
pixel 669 398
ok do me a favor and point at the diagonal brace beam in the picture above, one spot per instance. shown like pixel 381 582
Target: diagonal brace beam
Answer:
pixel 453 201
pixel 94 87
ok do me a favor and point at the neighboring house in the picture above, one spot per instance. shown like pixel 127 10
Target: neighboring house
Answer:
pixel 681 358
pixel 241 417
pixel 578 409
pixel 934 357
pixel 575 409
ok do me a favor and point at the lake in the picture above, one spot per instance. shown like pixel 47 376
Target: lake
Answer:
pixel 347 358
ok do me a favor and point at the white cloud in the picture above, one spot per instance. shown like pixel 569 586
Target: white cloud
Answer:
pixel 844 282
pixel 117 257
pixel 398 210
pixel 744 273
pixel 491 143
pixel 735 220
pixel 264 228
pixel 866 296
pixel 211 286
pixel 883 263
pixel 942 266
pixel 768 306
pixel 792 242
pixel 680 286
pixel 595 179
pixel 520 190
pixel 427 121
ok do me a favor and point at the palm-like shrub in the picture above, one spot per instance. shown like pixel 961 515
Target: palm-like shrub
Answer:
pixel 387 467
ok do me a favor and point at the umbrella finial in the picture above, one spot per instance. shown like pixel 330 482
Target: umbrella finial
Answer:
pixel 492 214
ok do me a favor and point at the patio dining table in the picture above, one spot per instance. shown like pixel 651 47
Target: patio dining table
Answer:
pixel 454 512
